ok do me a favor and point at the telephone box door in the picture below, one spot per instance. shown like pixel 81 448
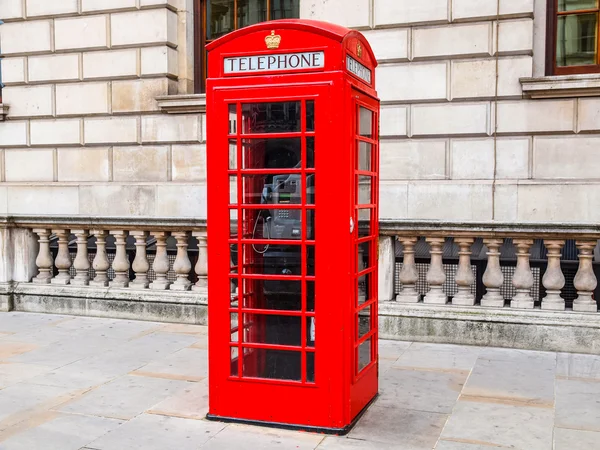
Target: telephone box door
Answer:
pixel 281 331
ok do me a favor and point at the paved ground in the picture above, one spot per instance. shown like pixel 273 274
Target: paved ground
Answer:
pixel 85 383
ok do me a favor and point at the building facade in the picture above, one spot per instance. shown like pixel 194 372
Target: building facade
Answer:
pixel 490 167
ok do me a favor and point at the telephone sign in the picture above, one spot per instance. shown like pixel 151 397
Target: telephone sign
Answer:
pixel 293 176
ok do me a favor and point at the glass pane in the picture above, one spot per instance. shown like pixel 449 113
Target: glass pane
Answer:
pixel 310 367
pixel 364 156
pixel 285 9
pixel 364 286
pixel 234 328
pixel 281 260
pixel 233 190
pixel 233 258
pixel 251 12
pixel 364 354
pixel 272 153
pixel 310 332
pixel 234 361
pixel 280 295
pixel 364 190
pixel 232 119
pixel 310 152
pixel 279 189
pixel 277 117
pixel 310 115
pixel 275 330
pixel 364 256
pixel 280 224
pixel 232 154
pixel 233 223
pixel 365 122
pixel 219 14
pixel 364 223
pixel 310 189
pixel 310 224
pixel 310 296
pixel 310 260
pixel 272 364
pixel 364 321
pixel 576 42
pixel 575 5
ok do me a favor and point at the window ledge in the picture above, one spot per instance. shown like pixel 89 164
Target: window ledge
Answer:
pixel 562 86
pixel 182 104
pixel 3 111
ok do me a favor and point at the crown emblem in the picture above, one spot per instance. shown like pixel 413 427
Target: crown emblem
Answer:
pixel 273 40
pixel 359 50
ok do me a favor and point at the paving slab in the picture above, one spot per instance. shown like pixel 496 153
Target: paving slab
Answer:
pixel 393 349
pixel 454 445
pixel 258 438
pixel 124 398
pixel 190 403
pixel 521 379
pixel 19 401
pixel 343 443
pixel 18 322
pixel 420 390
pixel 578 404
pixel 578 366
pixel 406 429
pixel 495 424
pixel 60 432
pixel 12 373
pixel 443 357
pixel 565 439
pixel 153 432
pixel 10 349
pixel 189 364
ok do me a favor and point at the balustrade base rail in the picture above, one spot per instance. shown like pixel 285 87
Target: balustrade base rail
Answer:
pixel 532 329
pixel 189 307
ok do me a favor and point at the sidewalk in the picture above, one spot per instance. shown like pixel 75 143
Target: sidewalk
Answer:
pixel 86 383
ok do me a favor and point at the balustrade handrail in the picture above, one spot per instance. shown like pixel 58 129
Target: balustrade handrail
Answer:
pixel 115 222
pixel 524 230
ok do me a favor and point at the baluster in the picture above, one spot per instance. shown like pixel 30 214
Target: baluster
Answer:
pixel 523 277
pixel 493 278
pixel 553 280
pixel 409 274
pixel 161 262
pixel 100 263
pixel 464 274
pixel 436 275
pixel 81 263
pixel 182 265
pixel 121 262
pixel 140 263
pixel 585 280
pixel 44 261
pixel 63 259
pixel 201 268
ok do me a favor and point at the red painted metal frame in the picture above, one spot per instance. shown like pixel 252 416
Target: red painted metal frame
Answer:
pixel 339 392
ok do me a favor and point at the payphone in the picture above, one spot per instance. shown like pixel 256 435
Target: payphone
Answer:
pixel 293 171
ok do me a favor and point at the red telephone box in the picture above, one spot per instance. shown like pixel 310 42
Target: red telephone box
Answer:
pixel 293 262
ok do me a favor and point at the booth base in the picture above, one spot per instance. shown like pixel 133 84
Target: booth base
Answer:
pixel 287 426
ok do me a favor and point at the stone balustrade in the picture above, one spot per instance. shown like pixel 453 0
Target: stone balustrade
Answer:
pixel 140 268
pixel 77 270
pixel 498 288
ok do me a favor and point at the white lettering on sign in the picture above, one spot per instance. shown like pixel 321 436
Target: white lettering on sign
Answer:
pixel 358 69
pixel 270 63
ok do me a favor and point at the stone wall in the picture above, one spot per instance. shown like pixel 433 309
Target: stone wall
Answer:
pixel 459 141
pixel 84 134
